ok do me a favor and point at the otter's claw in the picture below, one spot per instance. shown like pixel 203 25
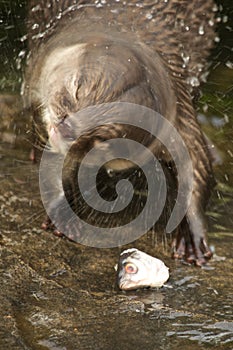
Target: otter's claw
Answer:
pixel 186 250
pixel 72 232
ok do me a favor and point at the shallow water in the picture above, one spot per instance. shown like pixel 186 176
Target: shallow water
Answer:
pixel 59 295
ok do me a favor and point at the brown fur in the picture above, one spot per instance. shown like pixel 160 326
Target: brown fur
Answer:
pixel 151 55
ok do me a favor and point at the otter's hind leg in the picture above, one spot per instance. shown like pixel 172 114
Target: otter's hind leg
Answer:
pixel 192 243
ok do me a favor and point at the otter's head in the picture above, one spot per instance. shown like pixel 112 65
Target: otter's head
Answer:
pixel 97 72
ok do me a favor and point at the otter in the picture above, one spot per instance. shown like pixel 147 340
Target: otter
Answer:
pixel 148 53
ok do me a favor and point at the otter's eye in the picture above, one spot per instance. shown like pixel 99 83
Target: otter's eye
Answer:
pixel 130 268
pixel 62 118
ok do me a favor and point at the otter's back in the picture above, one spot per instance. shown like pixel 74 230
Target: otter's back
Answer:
pixel 180 30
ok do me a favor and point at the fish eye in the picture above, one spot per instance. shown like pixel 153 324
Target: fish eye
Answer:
pixel 130 268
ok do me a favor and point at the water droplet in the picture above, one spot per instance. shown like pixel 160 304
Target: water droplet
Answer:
pixel 211 23
pixel 36 8
pixel 185 58
pixel 23 38
pixel 225 19
pixel 22 53
pixel 215 8
pixel 200 67
pixel 201 30
pixel 187 28
pixel 116 11
pixel 226 117
pixel 176 74
pixel 35 26
pixel 182 23
pixel 217 39
pixel 149 16
pixel 59 15
pixel 229 64
pixel 205 108
pixel 193 81
pixel 129 60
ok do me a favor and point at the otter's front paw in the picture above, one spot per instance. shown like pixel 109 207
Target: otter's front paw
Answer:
pixel 48 225
pixel 70 230
pixel 193 252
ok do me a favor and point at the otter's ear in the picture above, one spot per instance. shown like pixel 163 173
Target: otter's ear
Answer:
pixel 73 85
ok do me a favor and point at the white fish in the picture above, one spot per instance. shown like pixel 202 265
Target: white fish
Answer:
pixel 137 269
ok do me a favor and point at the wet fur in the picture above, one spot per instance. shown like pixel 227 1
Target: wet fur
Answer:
pixel 79 60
